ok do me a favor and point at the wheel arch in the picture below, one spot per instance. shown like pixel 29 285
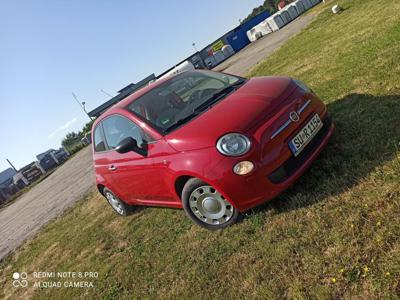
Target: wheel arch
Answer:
pixel 181 180
pixel 100 188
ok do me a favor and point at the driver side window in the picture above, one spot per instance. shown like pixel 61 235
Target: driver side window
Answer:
pixel 116 128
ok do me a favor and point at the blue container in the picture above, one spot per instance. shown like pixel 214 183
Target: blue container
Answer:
pixel 238 38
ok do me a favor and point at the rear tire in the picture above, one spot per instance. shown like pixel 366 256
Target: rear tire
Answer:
pixel 119 206
pixel 205 206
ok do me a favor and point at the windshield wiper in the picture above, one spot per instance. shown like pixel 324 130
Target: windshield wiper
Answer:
pixel 218 95
pixel 209 102
pixel 181 121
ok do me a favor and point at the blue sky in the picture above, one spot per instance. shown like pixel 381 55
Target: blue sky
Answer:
pixel 49 49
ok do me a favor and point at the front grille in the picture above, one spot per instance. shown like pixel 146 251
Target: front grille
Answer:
pixel 294 163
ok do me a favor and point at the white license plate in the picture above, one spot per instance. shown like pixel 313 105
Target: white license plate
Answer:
pixel 305 135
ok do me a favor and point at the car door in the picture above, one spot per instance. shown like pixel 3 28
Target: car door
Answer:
pixel 133 176
pixel 100 157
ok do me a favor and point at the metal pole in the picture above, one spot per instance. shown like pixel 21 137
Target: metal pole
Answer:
pixel 11 165
pixel 81 105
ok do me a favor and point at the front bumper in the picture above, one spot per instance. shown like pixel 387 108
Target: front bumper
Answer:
pixel 289 167
pixel 269 180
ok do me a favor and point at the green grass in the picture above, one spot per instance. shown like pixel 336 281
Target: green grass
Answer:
pixel 334 234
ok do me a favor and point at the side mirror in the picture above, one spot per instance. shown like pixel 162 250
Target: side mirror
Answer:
pixel 129 144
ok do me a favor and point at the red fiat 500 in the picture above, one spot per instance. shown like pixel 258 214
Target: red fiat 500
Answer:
pixel 212 143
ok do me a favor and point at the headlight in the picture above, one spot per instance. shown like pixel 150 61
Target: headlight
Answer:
pixel 233 144
pixel 302 85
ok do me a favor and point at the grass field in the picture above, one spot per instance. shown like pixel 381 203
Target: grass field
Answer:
pixel 334 234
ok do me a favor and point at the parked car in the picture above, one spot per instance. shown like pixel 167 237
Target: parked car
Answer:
pixel 212 143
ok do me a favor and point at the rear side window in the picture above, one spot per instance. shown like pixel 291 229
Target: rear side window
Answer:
pixel 116 128
pixel 98 140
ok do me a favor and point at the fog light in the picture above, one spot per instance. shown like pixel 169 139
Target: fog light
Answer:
pixel 243 167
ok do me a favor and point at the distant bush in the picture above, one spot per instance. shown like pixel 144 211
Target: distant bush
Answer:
pixel 72 142
pixel 75 148
pixel 269 5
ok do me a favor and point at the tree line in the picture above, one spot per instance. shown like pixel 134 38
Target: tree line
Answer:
pixel 72 141
pixel 269 5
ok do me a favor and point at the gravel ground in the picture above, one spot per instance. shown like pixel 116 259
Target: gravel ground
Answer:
pixel 242 62
pixel 45 201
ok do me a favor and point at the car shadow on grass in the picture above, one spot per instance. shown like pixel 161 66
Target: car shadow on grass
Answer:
pixel 367 136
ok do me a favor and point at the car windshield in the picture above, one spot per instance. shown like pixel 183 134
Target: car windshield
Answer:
pixel 181 98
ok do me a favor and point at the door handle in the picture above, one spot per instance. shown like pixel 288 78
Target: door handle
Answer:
pixel 112 168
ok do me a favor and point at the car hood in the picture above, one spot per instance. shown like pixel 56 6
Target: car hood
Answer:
pixel 247 107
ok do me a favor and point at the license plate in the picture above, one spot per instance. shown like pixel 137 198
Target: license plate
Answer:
pixel 305 135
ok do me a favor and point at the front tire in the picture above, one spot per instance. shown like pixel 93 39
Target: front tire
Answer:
pixel 120 207
pixel 205 206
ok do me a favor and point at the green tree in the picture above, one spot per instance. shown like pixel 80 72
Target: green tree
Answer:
pixel 269 5
pixel 71 139
pixel 88 127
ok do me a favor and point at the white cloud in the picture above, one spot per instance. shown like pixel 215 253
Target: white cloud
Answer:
pixel 63 127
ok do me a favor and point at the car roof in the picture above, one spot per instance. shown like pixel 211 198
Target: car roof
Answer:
pixel 137 94
pixel 130 98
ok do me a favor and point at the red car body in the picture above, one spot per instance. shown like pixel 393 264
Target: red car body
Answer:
pixel 258 109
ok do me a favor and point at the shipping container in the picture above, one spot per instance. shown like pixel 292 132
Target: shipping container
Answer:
pixel 299 6
pixel 307 4
pixel 292 10
pixel 315 2
pixel 285 16
pixel 259 31
pixel 238 38
pixel 275 22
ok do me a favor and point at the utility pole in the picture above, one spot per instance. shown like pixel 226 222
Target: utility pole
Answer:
pixel 11 165
pixel 82 105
